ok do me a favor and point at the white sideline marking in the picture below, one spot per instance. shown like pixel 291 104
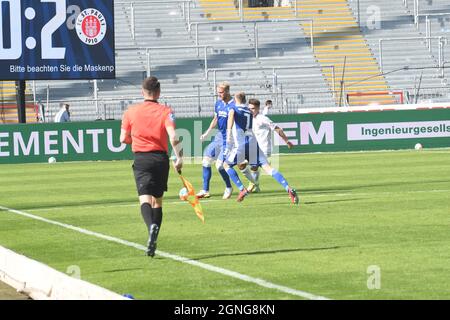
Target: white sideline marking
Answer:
pixel 230 273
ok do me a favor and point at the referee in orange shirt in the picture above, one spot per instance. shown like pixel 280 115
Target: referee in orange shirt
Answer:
pixel 146 127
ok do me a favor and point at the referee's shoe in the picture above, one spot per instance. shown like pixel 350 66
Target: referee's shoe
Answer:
pixel 151 248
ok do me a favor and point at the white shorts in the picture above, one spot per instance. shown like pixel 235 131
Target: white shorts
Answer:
pixel 248 150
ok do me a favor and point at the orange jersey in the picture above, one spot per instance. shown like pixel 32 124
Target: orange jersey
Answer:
pixel 147 123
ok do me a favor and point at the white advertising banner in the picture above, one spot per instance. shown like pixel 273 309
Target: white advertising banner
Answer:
pixel 398 130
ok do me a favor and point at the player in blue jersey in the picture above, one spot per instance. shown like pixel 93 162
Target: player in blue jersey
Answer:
pixel 238 137
pixel 214 151
pixel 245 149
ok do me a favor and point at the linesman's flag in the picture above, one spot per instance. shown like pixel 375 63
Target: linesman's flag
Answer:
pixel 193 199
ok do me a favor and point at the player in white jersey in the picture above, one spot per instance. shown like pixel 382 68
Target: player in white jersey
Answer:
pixel 239 136
pixel 246 147
pixel 262 129
pixel 267 107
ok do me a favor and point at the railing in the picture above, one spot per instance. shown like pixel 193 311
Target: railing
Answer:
pixel 441 48
pixel 184 106
pixel 149 49
pixel 202 105
pixel 255 29
pixel 410 95
pixel 418 15
pixel 276 88
pixel 274 73
pixel 186 10
pixel 428 22
pixel 427 95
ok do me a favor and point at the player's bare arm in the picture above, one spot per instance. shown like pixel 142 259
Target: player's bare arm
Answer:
pixel 125 137
pixel 176 147
pixel 212 125
pixel 284 137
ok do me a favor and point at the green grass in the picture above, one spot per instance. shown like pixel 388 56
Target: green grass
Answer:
pixel 388 209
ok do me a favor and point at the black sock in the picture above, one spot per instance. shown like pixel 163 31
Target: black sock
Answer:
pixel 157 216
pixel 146 211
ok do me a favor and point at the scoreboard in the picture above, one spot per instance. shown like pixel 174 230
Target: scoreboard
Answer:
pixel 56 39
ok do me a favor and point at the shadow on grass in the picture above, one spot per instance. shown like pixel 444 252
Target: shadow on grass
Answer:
pixel 78 203
pixel 344 188
pixel 265 252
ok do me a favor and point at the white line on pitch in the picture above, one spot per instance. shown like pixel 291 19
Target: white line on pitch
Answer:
pixel 230 273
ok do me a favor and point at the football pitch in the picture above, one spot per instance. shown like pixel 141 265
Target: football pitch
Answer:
pixel 371 225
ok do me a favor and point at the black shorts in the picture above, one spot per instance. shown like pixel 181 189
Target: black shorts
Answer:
pixel 151 172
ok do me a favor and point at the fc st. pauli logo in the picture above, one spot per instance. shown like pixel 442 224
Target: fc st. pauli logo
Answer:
pixel 91 26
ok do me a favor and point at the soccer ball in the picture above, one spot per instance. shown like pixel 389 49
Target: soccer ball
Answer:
pixel 183 194
pixel 418 146
pixel 51 160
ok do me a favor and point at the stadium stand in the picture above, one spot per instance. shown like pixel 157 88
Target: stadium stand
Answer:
pixel 182 71
pixel 405 58
pixel 339 42
pixel 283 68
pixel 438 12
pixel 8 106
pixel 178 69
pixel 269 52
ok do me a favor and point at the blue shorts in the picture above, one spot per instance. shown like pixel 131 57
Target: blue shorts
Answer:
pixel 214 151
